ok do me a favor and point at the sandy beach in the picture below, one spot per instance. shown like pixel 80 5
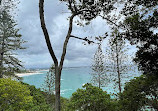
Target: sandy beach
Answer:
pixel 28 74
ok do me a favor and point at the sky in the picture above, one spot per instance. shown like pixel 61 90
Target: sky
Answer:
pixel 36 54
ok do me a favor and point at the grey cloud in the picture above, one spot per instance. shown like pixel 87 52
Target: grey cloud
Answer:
pixel 37 55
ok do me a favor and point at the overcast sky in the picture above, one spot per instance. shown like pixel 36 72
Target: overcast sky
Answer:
pixel 36 55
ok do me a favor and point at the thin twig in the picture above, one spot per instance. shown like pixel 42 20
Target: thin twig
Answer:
pixel 85 39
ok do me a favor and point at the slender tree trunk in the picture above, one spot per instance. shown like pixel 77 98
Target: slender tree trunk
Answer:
pixel 1 58
pixel 118 68
pixel 57 89
pixel 59 69
pixel 51 51
pixel 99 81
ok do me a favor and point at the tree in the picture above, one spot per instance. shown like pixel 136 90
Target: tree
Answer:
pixel 117 57
pixel 49 83
pixel 139 93
pixel 10 41
pixel 146 40
pixel 140 25
pixel 90 98
pixel 141 30
pixel 14 95
pixel 99 77
pixel 8 5
pixel 86 10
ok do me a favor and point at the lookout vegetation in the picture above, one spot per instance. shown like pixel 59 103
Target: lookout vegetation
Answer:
pixel 136 21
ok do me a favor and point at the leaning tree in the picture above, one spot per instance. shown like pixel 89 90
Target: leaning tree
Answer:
pixel 86 10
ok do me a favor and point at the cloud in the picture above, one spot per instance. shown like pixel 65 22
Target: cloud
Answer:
pixel 37 55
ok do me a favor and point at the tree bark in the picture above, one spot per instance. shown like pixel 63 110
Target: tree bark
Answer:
pixel 118 68
pixel 59 69
pixel 57 89
pixel 43 26
pixel 66 42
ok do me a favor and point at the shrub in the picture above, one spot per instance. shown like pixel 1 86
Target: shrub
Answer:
pixel 138 93
pixel 14 96
pixel 91 98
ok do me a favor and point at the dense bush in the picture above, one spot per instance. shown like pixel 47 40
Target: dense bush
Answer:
pixel 91 98
pixel 39 99
pixel 42 101
pixel 19 96
pixel 14 96
pixel 139 93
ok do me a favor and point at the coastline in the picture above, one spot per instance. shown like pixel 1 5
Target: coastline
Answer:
pixel 28 73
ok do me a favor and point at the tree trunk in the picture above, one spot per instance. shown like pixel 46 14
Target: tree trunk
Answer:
pixel 119 79
pixel 1 59
pixel 57 88
pixel 99 80
pixel 59 69
pixel 118 68
pixel 51 51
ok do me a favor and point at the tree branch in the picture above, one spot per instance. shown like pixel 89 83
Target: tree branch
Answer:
pixel 124 27
pixel 85 39
pixel 109 21
pixel 43 26
pixel 67 38
pixel 66 43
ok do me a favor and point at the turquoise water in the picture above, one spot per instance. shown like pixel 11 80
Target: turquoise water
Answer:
pixel 72 79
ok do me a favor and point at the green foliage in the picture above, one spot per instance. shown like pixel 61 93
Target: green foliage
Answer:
pixel 142 6
pixel 64 104
pixel 88 10
pixel 14 96
pixel 39 99
pixel 139 92
pixel 142 31
pixel 142 23
pixel 18 96
pixel 43 101
pixel 90 98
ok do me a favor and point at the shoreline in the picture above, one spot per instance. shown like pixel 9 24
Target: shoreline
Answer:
pixel 28 73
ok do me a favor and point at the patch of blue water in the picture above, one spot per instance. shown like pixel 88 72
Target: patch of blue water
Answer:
pixel 72 79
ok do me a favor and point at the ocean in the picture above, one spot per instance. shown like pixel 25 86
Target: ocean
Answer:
pixel 74 78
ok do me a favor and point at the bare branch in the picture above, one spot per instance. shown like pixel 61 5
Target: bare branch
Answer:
pixel 85 39
pixel 43 26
